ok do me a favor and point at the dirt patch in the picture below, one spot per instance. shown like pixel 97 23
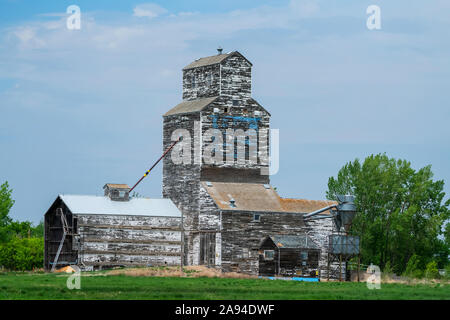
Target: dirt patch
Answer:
pixel 188 272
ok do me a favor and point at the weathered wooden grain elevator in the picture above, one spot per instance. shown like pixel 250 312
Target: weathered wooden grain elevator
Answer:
pixel 229 207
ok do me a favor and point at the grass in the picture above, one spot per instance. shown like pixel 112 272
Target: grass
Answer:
pixel 101 285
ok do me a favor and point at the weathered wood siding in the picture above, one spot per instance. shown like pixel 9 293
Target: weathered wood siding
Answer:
pixel 53 233
pixel 240 117
pixel 242 237
pixel 236 76
pixel 319 230
pixel 207 82
pixel 288 261
pixel 113 240
pixel 181 182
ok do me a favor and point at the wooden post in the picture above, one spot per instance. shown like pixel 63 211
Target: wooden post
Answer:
pixel 182 244
pixel 340 267
pixel 279 260
pixel 328 268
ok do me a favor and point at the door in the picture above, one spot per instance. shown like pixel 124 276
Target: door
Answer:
pixel 208 248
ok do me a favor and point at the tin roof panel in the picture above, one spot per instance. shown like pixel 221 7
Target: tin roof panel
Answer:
pixel 85 204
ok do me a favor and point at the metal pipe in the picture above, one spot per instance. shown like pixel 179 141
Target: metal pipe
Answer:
pixel 321 217
pixel 319 211
pixel 148 171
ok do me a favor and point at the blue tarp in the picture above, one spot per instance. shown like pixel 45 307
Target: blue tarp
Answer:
pixel 294 279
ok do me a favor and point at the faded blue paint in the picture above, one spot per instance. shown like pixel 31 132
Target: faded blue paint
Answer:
pixel 252 122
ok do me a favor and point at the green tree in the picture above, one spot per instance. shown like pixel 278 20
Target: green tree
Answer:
pixel 21 243
pixel 414 267
pixel 38 230
pixel 431 271
pixel 22 254
pixel 6 203
pixel 401 211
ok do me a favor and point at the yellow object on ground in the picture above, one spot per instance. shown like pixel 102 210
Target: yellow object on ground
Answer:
pixel 67 269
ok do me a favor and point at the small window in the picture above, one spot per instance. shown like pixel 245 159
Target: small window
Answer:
pixel 257 217
pixel 209 79
pixel 122 194
pixel 269 254
pixel 235 103
pixel 225 110
pixel 304 255
pixel 194 83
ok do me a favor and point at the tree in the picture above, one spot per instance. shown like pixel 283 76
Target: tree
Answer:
pixel 431 271
pixel 22 254
pixel 6 203
pixel 400 211
pixel 21 243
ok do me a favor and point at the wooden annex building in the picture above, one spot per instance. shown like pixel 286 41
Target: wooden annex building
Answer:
pixel 112 230
pixel 289 256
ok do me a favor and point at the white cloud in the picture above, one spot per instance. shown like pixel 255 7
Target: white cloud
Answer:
pixel 149 10
pixel 25 34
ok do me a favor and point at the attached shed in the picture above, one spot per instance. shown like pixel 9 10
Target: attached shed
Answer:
pixel 289 255
pixel 112 230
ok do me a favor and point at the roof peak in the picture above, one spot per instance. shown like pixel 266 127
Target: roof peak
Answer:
pixel 213 59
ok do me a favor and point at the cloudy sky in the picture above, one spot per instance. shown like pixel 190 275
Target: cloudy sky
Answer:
pixel 79 108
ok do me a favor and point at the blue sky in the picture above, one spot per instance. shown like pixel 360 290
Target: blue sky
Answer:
pixel 83 107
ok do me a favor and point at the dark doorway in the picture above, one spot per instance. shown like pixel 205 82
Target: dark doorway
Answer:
pixel 208 249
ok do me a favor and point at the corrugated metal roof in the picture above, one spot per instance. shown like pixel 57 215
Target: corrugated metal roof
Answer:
pixel 294 242
pixel 257 197
pixel 191 106
pixel 81 204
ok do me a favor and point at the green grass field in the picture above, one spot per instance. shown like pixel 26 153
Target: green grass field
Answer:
pixel 100 286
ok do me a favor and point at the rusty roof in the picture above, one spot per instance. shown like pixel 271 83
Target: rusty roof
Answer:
pixel 190 106
pixel 256 197
pixel 116 186
pixel 304 205
pixel 207 61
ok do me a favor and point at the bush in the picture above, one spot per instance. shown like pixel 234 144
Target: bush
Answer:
pixel 413 269
pixel 431 271
pixel 22 254
pixel 388 271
